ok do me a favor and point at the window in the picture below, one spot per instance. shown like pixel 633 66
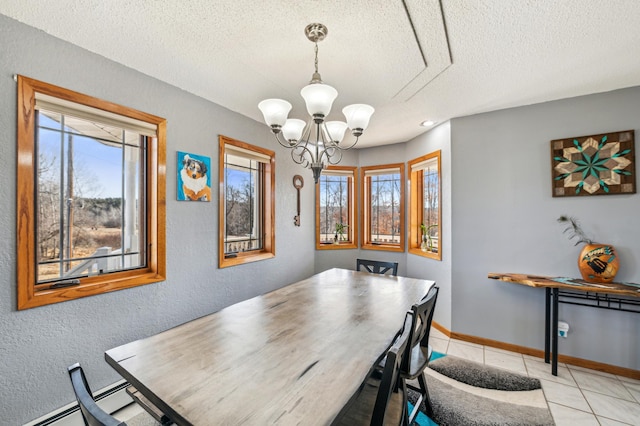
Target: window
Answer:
pixel 383 207
pixel 425 215
pixel 335 205
pixel 91 185
pixel 247 203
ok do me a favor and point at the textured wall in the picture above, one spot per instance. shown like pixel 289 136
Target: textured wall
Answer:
pixel 438 138
pixel 504 220
pixel 36 345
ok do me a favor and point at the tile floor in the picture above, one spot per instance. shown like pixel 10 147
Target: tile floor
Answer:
pixel 576 396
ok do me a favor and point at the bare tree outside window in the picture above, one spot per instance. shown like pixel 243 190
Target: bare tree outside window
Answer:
pixel 246 203
pixel 82 166
pixel 242 225
pixel 382 196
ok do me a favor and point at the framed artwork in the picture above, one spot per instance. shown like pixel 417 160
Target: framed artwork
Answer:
pixel 601 164
pixel 194 177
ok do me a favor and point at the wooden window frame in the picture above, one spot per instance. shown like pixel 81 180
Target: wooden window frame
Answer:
pixel 365 211
pixel 416 207
pixel 267 192
pixel 28 295
pixel 352 230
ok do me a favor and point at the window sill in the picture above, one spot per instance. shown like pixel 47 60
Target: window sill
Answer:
pixel 242 258
pixel 428 255
pixel 90 286
pixel 340 246
pixel 383 247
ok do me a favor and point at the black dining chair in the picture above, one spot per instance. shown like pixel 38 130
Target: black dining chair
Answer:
pixel 377 266
pixel 383 399
pixel 418 355
pixel 91 413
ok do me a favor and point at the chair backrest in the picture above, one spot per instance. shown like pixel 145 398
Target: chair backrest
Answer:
pixel 391 380
pixel 377 266
pixel 91 413
pixel 419 333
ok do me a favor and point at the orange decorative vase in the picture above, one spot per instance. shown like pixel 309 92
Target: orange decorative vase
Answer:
pixel 598 263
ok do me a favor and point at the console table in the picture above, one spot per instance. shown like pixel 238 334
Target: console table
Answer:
pixel 574 291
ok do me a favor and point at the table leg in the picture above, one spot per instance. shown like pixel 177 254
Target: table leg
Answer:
pixel 554 334
pixel 547 323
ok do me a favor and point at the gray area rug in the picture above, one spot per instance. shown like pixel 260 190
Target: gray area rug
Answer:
pixel 480 395
pixel 482 376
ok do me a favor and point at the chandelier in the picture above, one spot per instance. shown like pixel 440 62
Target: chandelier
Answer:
pixel 316 141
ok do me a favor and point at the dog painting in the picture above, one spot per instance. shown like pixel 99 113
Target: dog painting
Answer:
pixel 194 177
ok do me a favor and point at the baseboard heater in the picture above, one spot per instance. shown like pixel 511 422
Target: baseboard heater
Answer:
pixel 110 399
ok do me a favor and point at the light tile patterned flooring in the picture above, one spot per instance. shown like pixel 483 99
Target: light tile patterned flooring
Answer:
pixel 576 396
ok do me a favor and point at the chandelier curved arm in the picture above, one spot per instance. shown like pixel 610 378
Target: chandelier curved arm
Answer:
pixel 282 141
pixel 297 154
pixel 333 157
pixel 350 146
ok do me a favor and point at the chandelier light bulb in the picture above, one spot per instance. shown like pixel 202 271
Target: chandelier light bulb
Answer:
pixel 275 112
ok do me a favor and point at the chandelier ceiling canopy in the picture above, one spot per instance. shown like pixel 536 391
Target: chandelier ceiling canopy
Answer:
pixel 316 141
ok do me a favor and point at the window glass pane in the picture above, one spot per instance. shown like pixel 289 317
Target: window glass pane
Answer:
pixel 49 205
pixel 425 209
pixel 134 209
pixel 98 184
pixel 334 206
pixel 385 208
pixel 242 207
pixel 431 205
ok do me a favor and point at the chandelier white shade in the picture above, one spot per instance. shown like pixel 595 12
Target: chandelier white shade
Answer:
pixel 319 98
pixel 275 111
pixel 292 130
pixel 316 141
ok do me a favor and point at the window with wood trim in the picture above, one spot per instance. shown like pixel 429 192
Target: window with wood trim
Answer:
pixel 382 201
pixel 425 215
pixel 336 224
pixel 247 203
pixel 91 195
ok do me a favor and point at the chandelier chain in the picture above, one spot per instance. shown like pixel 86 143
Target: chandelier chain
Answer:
pixel 316 63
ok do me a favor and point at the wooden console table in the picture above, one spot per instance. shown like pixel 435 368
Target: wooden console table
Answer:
pixel 573 291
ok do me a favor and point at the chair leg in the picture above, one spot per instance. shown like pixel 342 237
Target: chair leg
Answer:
pixel 411 416
pixel 425 391
pixel 405 409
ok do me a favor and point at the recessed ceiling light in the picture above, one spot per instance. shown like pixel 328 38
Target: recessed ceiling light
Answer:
pixel 428 123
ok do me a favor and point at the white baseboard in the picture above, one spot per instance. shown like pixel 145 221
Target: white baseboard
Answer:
pixel 111 399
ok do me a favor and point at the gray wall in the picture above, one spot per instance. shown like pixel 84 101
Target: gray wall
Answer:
pixel 37 345
pixel 504 220
pixel 438 138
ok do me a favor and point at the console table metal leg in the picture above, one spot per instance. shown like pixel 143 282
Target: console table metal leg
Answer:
pixel 547 323
pixel 554 333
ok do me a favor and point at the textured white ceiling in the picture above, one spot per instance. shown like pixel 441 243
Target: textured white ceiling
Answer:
pixel 481 55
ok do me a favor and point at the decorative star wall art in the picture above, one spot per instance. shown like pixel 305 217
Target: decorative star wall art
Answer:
pixel 594 165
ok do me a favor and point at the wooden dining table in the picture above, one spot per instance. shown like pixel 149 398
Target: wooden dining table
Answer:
pixel 296 355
